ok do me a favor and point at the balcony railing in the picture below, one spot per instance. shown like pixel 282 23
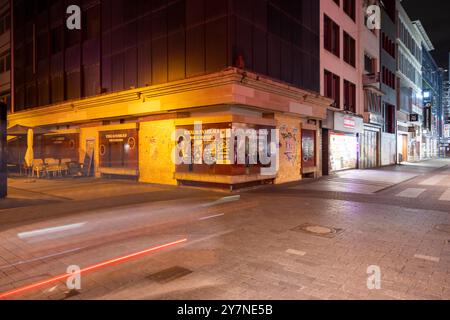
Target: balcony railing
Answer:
pixel 371 78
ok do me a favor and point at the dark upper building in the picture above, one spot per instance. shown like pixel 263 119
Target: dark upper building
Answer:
pixel 388 61
pixel 136 43
pixel 432 93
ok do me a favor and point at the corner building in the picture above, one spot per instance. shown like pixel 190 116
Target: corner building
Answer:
pixel 118 88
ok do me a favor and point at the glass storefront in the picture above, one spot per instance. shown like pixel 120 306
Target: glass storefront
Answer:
pixel 343 151
pixel 119 149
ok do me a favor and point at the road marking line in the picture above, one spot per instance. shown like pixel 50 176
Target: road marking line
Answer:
pixel 296 252
pixel 411 193
pixel 41 258
pixel 41 232
pixel 212 217
pixel 223 200
pixel 433 180
pixel 445 196
pixel 427 258
pixel 100 265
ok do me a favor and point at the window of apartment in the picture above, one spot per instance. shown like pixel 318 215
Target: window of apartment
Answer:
pixel 331 37
pixel 5 97
pixel 92 23
pixel 349 49
pixel 349 96
pixel 369 64
pixel 56 40
pixel 5 62
pixel 5 23
pixel 372 102
pixel 42 46
pixel 350 8
pixel 388 78
pixel 388 45
pixel 332 87
pixel 389 118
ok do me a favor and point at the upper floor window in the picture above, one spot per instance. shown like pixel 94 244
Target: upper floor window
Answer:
pixel 369 64
pixel 349 96
pixel 350 8
pixel 349 50
pixel 5 62
pixel 91 23
pixel 332 87
pixel 331 36
pixel 56 40
pixel 5 23
pixel 388 45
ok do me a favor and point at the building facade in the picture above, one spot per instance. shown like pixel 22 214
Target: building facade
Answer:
pixel 388 81
pixel 410 98
pixel 341 81
pixel 117 89
pixel 432 97
pixel 371 93
pixel 5 53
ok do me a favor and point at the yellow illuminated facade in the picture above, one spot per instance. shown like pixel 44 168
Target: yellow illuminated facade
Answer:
pixel 227 97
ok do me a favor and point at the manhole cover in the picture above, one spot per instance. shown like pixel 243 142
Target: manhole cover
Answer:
pixel 317 230
pixel 170 274
pixel 443 227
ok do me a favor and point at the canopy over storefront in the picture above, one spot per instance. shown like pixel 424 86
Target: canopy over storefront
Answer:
pixel 19 130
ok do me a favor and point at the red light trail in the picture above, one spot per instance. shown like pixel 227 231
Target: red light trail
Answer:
pixel 107 263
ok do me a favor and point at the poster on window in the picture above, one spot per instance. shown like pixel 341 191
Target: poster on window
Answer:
pixel 308 148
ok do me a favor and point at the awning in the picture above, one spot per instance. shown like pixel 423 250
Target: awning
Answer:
pixel 19 130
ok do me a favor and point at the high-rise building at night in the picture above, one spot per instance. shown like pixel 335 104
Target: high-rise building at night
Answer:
pixel 432 97
pixel 5 53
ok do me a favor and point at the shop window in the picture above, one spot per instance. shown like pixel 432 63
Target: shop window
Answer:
pixel 118 149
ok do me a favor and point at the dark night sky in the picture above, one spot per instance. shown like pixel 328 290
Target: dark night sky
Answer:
pixel 435 17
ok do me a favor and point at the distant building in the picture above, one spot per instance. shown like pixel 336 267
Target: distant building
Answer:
pixel 410 98
pixel 432 97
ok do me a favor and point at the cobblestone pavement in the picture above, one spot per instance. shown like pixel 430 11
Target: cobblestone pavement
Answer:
pixel 309 240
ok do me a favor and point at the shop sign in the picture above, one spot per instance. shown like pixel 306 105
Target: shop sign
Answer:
pixel 347 123
pixel 414 117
